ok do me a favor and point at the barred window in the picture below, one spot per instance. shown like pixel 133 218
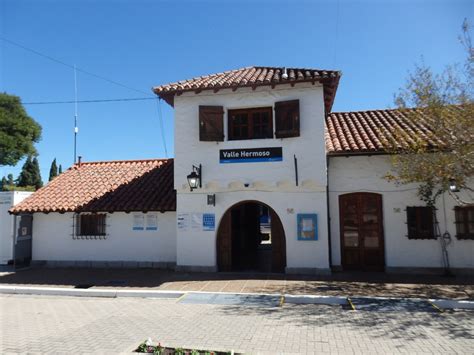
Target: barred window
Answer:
pixel 420 222
pixel 464 219
pixel 90 224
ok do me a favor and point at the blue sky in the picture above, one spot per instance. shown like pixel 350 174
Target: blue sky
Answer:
pixel 144 43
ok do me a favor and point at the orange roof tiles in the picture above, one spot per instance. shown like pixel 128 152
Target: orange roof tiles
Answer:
pixel 253 77
pixel 366 132
pixel 136 185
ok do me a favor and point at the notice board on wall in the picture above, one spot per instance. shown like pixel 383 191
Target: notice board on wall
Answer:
pixel 196 222
pixel 307 226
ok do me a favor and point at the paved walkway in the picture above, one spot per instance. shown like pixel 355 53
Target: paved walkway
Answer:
pixel 42 324
pixel 338 284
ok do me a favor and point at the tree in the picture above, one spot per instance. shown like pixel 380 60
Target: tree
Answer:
pixel 18 131
pixel 60 170
pixel 30 176
pixel 53 171
pixel 4 183
pixel 36 173
pixel 11 182
pixel 445 107
pixel 26 175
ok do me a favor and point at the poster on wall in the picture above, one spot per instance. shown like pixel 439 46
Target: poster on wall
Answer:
pixel 183 222
pixel 307 226
pixel 208 222
pixel 151 222
pixel 196 222
pixel 138 222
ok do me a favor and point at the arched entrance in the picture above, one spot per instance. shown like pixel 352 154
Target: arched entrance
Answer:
pixel 362 239
pixel 251 237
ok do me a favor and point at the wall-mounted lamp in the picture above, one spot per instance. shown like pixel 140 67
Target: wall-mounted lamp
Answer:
pixel 453 187
pixel 195 178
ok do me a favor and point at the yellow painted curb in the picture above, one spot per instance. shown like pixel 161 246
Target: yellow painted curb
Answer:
pixel 351 304
pixel 282 301
pixel 181 297
pixel 436 307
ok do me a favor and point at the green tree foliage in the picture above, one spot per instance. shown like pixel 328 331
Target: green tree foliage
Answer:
pixel 10 179
pixel 4 184
pixel 26 177
pixel 37 181
pixel 53 171
pixel 30 175
pixel 445 110
pixel 60 170
pixel 18 131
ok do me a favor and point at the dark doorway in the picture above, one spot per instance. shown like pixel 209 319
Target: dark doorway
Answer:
pixel 251 238
pixel 361 223
pixel 23 245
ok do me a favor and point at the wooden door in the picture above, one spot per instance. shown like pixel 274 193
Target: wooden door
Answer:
pixel 361 224
pixel 224 243
pixel 278 243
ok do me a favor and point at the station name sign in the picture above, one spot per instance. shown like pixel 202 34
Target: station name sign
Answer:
pixel 252 155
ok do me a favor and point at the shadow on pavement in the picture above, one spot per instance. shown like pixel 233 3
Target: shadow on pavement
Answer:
pixel 340 284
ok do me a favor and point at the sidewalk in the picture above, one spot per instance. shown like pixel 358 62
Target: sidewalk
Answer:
pixel 337 284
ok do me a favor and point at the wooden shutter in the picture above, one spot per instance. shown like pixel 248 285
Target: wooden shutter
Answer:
pixel 211 123
pixel 287 119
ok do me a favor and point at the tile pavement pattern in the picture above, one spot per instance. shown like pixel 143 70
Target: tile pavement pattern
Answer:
pixel 93 325
pixel 129 185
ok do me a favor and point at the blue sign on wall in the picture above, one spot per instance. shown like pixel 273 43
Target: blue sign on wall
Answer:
pixel 307 226
pixel 253 155
pixel 208 222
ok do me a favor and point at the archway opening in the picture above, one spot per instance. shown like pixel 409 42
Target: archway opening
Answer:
pixel 251 238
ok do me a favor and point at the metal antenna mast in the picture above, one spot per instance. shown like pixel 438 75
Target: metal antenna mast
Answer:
pixel 76 129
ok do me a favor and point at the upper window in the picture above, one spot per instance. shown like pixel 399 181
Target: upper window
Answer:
pixel 464 222
pixel 287 119
pixel 90 224
pixel 420 222
pixel 255 123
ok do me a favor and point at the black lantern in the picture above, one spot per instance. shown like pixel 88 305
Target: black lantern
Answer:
pixel 195 178
pixel 453 186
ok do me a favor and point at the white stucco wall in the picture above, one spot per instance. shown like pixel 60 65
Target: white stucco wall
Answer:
pixel 52 240
pixel 365 174
pixel 7 200
pixel 272 183
pixel 199 248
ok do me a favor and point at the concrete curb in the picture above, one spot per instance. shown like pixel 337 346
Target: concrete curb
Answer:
pixel 62 291
pixel 165 294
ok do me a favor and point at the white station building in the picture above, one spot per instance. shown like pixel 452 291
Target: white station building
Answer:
pixel 265 179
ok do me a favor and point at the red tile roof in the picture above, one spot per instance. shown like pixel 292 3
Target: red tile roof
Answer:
pixel 253 77
pixel 365 132
pixel 112 186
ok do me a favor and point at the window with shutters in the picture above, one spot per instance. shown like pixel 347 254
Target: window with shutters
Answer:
pixel 287 119
pixel 464 219
pixel 211 123
pixel 420 222
pixel 90 224
pixel 255 123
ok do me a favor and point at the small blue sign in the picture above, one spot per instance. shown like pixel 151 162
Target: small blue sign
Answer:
pixel 307 226
pixel 208 222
